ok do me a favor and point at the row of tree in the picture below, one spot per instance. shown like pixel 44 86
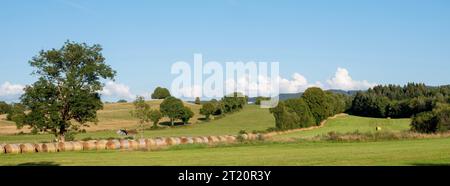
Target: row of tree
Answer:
pixel 174 109
pixel 314 106
pixel 171 108
pixel 227 104
pixel 428 106
pixel 14 111
pixel 399 102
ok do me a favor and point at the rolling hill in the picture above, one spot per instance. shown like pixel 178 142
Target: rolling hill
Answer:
pixel 113 116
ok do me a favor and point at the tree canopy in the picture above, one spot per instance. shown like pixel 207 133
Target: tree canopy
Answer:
pixel 198 101
pixel 318 104
pixel 310 109
pixel 186 115
pixel 160 93
pixel 172 108
pixel 69 80
pixel 399 101
pixel 4 107
pixel 207 110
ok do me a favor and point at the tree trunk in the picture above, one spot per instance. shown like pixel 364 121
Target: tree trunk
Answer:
pixel 62 132
pixel 61 138
pixel 172 122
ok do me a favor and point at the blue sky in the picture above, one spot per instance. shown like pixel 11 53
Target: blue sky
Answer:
pixel 378 41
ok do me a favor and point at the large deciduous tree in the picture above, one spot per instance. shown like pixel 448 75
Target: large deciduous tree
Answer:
pixel 66 96
pixel 155 116
pixel 207 110
pixel 160 93
pixel 172 108
pixel 186 115
pixel 317 102
pixel 141 112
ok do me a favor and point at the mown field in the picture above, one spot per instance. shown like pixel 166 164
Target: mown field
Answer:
pixel 286 149
pixel 252 118
pixel 405 152
pixel 113 116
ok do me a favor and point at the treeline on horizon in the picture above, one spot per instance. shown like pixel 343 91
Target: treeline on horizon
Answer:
pixel 427 106
pixel 396 101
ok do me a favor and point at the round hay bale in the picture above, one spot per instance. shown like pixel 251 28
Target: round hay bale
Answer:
pixel 197 140
pixel 27 148
pixel 260 136
pixel 65 146
pixel 231 139
pixel 2 148
pixel 113 145
pixel 90 145
pixel 213 139
pixel 134 145
pixel 252 136
pixel 142 144
pixel 190 140
pixel 173 141
pixel 160 142
pixel 269 135
pixel 178 140
pixel 265 136
pixel 187 140
pixel 12 149
pixel 183 140
pixel 124 144
pixel 222 139
pixel 49 147
pixel 244 136
pixel 150 143
pixel 101 144
pixel 205 139
pixel 38 147
pixel 77 146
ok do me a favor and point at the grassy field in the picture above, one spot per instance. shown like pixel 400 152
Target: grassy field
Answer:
pixel 404 152
pixel 344 124
pixel 113 116
pixel 261 119
pixel 287 149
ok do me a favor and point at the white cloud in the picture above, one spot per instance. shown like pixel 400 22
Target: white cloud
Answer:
pixel 8 89
pixel 11 92
pixel 343 80
pixel 263 85
pixel 297 83
pixel 117 90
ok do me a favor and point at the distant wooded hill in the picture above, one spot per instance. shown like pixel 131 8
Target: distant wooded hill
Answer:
pixel 285 96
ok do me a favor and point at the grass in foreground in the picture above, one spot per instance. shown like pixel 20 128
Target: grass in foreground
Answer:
pixel 403 152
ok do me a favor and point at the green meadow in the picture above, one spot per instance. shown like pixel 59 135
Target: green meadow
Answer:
pixel 287 149
pixel 231 124
pixel 404 153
